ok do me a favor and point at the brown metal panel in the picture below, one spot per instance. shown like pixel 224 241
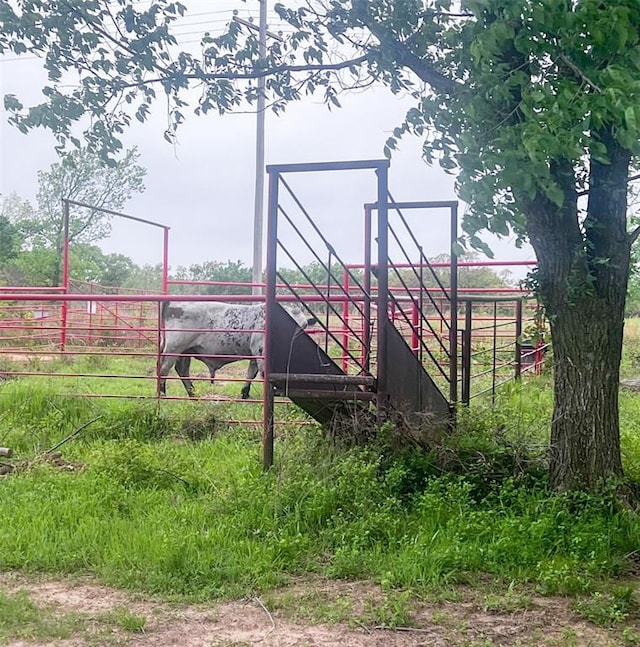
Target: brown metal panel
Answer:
pixel 409 387
pixel 293 353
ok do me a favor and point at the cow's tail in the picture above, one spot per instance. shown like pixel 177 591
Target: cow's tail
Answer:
pixel 164 306
pixel 163 310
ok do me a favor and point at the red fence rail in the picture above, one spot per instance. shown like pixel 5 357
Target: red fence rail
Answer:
pixel 126 327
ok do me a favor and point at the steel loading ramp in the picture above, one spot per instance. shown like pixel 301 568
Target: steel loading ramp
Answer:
pixel 300 370
pixel 411 391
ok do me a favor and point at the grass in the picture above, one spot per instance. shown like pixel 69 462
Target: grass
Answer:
pixel 22 619
pixel 124 619
pixel 357 513
pixel 165 498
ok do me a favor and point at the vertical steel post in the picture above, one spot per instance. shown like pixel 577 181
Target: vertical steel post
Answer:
pixel 345 320
pixel 270 301
pixel 161 336
pixel 453 330
pixel 421 307
pixel 466 353
pixel 327 309
pixel 415 333
pixel 383 289
pixel 165 261
pixel 366 323
pixel 65 275
pixel 90 308
pixel 495 351
pixel 518 357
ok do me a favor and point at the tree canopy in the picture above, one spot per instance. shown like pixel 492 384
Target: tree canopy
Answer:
pixel 38 232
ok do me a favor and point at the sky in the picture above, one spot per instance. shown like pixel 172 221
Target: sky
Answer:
pixel 202 187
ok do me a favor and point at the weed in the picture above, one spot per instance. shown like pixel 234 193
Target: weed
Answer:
pixel 133 465
pixel 201 427
pixel 124 619
pixel 608 608
pixel 312 606
pixel 569 637
pixel 507 603
pixel 392 612
pixel 630 636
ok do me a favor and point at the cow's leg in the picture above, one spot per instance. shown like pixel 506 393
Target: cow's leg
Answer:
pixel 167 362
pixel 252 371
pixel 211 364
pixel 183 364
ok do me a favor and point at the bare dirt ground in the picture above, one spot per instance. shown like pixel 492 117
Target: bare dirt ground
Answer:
pixel 277 620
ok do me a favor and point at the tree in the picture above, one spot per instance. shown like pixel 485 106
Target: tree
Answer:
pixel 89 263
pixel 84 177
pixel 146 277
pixel 227 272
pixel 474 276
pixel 12 209
pixel 529 102
pixel 8 239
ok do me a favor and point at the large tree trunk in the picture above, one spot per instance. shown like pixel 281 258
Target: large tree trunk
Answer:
pixel 583 271
pixel 585 436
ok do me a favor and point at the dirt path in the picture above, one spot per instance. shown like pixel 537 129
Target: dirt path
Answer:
pixel 104 617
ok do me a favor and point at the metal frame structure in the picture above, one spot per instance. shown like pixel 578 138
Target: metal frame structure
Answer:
pixel 452 206
pixel 381 169
pixel 397 371
pixel 66 211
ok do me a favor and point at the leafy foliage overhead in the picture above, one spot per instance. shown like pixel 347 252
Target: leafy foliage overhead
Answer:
pixel 502 88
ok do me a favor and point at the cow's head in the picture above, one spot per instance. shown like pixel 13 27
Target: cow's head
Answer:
pixel 301 315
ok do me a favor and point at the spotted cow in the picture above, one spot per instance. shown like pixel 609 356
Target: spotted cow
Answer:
pixel 217 334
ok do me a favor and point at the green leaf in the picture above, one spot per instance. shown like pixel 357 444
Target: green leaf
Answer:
pixel 11 103
pixel 630 118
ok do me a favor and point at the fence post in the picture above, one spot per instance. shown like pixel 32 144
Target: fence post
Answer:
pixel 345 320
pixel 65 276
pixel 165 261
pixel 366 323
pixel 518 358
pixel 159 346
pixel 466 353
pixel 270 300
pixel 383 290
pixel 415 333
pixel 453 329
pixel 495 350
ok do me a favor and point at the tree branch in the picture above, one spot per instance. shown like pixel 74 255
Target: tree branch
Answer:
pixel 119 44
pixel 401 53
pixel 278 69
pixel 633 236
pixel 579 73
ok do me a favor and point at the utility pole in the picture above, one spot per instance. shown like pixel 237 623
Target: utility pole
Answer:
pixel 258 211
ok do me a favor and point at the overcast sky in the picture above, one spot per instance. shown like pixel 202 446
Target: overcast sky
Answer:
pixel 203 187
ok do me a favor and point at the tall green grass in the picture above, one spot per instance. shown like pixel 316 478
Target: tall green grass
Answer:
pixel 143 505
